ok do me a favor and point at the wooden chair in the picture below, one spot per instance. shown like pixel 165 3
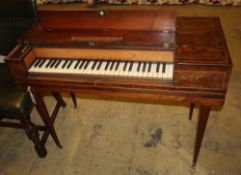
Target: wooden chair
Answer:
pixel 15 109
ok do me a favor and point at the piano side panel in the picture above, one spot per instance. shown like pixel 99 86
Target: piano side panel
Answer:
pixel 18 62
pixel 17 70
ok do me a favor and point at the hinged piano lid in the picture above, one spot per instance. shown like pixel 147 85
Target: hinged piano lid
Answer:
pixel 137 20
pixel 137 29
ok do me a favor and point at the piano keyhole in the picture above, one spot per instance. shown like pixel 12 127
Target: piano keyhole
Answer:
pixel 101 12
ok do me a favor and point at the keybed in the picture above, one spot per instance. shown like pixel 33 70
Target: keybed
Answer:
pixel 97 67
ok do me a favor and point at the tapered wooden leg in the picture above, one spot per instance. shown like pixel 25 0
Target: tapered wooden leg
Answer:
pixel 33 135
pixel 59 98
pixel 201 126
pixel 74 99
pixel 41 108
pixel 191 110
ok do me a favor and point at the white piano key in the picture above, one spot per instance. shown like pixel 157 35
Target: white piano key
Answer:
pixel 71 69
pixel 107 71
pixel 149 74
pixel 126 71
pixel 81 68
pixel 169 71
pixel 144 74
pixel 57 64
pixel 46 69
pixel 121 72
pixel 59 69
pixel 139 74
pixel 111 71
pixel 88 70
pixel 36 62
pixel 95 71
pixel 129 73
pixel 159 74
pixel 104 71
pixel 134 70
pixel 33 67
pixel 116 72
pixel 47 65
pixel 165 73
pixel 102 68
pixel 65 69
pixel 153 72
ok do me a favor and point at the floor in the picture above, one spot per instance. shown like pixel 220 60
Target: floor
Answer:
pixel 121 138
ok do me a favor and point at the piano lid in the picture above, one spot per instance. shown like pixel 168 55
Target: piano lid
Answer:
pixel 137 20
pixel 117 29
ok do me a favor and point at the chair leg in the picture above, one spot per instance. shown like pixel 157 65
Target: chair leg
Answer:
pixel 32 133
pixel 59 98
pixel 191 110
pixel 74 99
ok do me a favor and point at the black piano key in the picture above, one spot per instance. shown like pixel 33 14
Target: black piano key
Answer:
pixel 82 64
pixel 112 65
pixel 94 65
pixel 48 64
pixel 157 67
pixel 57 64
pixel 164 68
pixel 42 62
pixel 149 67
pixel 130 67
pixel 107 65
pixel 36 62
pixel 139 67
pixel 70 63
pixel 53 63
pixel 65 63
pixel 125 65
pixel 87 64
pixel 117 65
pixel 144 67
pixel 99 65
pixel 77 64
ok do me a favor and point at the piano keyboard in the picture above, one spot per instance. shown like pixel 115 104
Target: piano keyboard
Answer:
pixel 156 70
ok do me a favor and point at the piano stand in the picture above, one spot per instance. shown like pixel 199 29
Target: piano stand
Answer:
pixel 191 110
pixel 74 99
pixel 201 126
pixel 204 111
